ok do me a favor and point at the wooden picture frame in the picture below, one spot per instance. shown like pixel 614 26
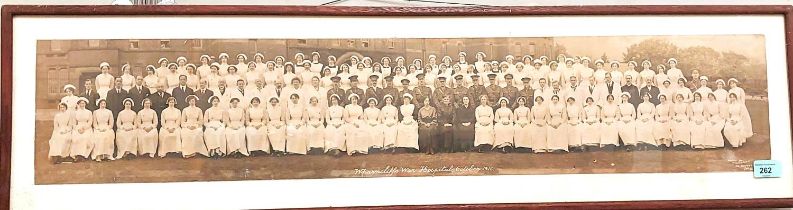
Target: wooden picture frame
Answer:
pixel 9 12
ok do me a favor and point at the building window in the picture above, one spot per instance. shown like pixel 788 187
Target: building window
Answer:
pixel 365 44
pixel 350 43
pixel 93 43
pixel 58 77
pixel 197 43
pixel 532 49
pixel 302 41
pixel 134 44
pixel 55 45
pixel 165 44
pixel 518 50
pixel 391 43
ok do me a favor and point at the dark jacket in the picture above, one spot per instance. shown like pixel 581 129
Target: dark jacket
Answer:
pixel 181 95
pixel 92 98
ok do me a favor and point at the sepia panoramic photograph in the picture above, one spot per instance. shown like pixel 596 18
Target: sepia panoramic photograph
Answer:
pixel 183 110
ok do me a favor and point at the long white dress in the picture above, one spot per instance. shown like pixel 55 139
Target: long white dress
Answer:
pixel 557 138
pixel 627 124
pixel 373 128
pixel 71 102
pixel 355 130
pixel 257 137
pixel 61 139
pixel 314 130
pixel 747 119
pixel 522 127
pixel 576 130
pixel 103 132
pixel 408 129
pixel 215 130
pixel 592 128
pixel 104 82
pixel 334 132
pixel 147 140
pixel 390 119
pixel 734 128
pixel 662 129
pixel 295 127
pixel 681 133
pixel 539 133
pixel 698 124
pixel 170 140
pixel 645 123
pixel 126 138
pixel 192 138
pixel 503 128
pixel 609 133
pixel 235 132
pixel 276 128
pixel 82 143
pixel 127 81
pixel 483 130
pixel 715 124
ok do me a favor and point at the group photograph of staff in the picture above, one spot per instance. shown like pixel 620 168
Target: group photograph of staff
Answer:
pixel 543 98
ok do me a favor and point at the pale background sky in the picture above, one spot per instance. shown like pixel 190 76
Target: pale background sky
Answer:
pixel 751 46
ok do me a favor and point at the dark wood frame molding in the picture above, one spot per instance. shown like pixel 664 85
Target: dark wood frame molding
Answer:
pixel 11 11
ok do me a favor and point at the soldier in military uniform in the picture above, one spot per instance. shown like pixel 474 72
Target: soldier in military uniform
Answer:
pixel 405 89
pixel 493 91
pixel 459 91
pixel 527 92
pixel 389 89
pixel 510 91
pixel 355 89
pixel 476 90
pixel 440 91
pixel 372 91
pixel 421 91
pixel 336 90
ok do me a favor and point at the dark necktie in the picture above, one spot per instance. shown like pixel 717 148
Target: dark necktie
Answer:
pixel 139 89
pixel 591 89
pixel 161 95
pixel 183 89
pixel 278 91
pixel 118 91
pixel 88 93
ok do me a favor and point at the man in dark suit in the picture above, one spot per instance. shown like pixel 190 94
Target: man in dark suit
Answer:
pixel 475 91
pixel 421 92
pixel 159 101
pixel 91 95
pixel 493 91
pixel 372 91
pixel 354 89
pixel 405 89
pixel 652 90
pixel 336 90
pixel 203 96
pixel 632 90
pixel 389 89
pixel 181 92
pixel 510 91
pixel 115 98
pixel 137 93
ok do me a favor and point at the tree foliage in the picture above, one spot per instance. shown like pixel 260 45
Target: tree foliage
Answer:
pixel 709 62
pixel 657 51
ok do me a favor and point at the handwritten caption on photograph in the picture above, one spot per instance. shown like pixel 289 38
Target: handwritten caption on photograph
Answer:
pixel 395 170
